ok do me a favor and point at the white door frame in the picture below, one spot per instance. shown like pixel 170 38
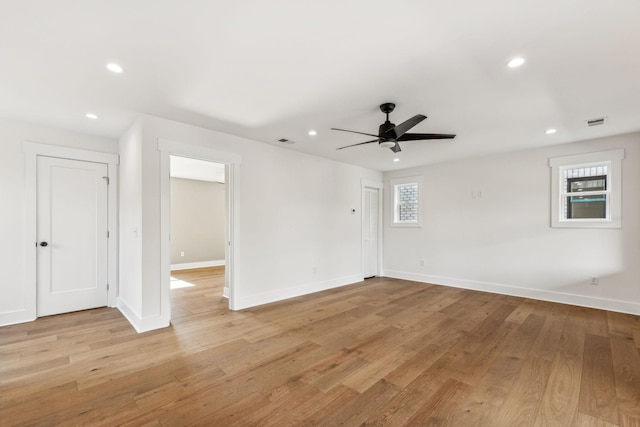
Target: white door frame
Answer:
pixel 232 162
pixel 366 183
pixel 31 151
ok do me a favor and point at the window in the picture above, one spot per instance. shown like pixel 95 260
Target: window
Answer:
pixel 406 202
pixel 586 190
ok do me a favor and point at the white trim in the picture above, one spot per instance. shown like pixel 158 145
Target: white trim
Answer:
pixel 17 316
pixel 232 162
pixel 142 324
pixel 366 183
pixel 283 294
pixel 31 151
pixel 129 313
pixel 371 184
pixel 543 295
pixel 200 264
pixel 225 292
pixel 198 152
pixel 586 158
pixel 613 160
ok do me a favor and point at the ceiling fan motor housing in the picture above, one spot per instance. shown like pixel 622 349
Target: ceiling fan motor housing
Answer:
pixel 386 140
pixel 384 128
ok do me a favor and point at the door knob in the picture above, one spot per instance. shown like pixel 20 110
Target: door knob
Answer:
pixel 43 244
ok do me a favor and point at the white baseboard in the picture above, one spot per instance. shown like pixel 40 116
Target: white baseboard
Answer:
pixel 225 292
pixel 282 294
pixel 141 324
pixel 201 264
pixel 16 316
pixel 551 296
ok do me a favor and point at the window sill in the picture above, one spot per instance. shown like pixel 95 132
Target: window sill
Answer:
pixel 587 224
pixel 405 225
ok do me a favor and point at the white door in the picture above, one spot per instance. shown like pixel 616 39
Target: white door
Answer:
pixel 370 232
pixel 72 235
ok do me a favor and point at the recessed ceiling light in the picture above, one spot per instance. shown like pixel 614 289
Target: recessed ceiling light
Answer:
pixel 114 67
pixel 515 62
pixel 550 131
pixel 396 159
pixel 313 132
pixel 91 116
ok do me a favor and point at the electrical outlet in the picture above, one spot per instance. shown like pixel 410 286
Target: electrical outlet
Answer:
pixel 314 270
pixel 421 263
pixel 181 253
pixel 594 280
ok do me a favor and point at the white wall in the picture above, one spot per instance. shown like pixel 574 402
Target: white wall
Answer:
pixel 294 215
pixel 503 243
pixel 12 195
pixel 130 220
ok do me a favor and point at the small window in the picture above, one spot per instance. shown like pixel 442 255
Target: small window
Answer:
pixel 586 190
pixel 406 202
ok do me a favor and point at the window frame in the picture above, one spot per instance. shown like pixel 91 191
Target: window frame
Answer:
pixel 613 160
pixel 394 205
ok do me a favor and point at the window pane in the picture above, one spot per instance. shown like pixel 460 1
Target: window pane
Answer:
pixel 594 183
pixel 593 207
pixel 407 196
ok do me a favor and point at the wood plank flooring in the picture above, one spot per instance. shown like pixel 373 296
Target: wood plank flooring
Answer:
pixel 383 352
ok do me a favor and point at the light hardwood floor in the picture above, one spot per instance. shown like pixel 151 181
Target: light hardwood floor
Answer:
pixel 384 352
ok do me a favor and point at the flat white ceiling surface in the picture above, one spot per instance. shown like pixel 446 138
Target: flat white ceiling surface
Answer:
pixel 267 70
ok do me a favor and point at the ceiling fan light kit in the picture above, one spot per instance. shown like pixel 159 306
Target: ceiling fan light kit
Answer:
pixel 389 134
pixel 387 144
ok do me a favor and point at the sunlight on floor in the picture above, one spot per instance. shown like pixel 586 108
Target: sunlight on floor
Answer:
pixel 177 283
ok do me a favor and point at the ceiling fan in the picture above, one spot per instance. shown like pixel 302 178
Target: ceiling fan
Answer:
pixel 389 134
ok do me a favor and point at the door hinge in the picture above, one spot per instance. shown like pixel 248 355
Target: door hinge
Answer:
pixel 107 178
pixel 107 234
pixel 107 286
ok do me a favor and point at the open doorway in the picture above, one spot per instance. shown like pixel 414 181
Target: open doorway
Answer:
pixel 232 162
pixel 199 224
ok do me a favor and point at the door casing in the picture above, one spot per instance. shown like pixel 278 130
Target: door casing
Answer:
pixel 232 162
pixel 365 183
pixel 31 151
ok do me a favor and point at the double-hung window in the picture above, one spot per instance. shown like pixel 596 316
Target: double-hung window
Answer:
pixel 586 190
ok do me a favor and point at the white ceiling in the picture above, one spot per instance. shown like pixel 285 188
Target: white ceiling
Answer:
pixel 275 69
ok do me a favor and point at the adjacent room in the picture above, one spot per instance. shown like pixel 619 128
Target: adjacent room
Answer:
pixel 199 220
pixel 343 213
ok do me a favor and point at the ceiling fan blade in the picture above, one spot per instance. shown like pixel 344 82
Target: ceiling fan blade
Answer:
pixel 353 131
pixel 395 148
pixel 361 143
pixel 403 127
pixel 420 136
